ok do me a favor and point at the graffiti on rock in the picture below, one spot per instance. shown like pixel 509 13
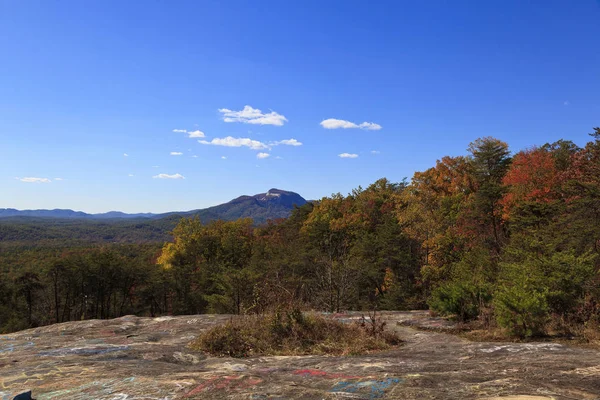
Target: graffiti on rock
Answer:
pixel 374 389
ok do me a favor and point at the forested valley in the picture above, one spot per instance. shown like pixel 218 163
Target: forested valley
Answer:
pixel 508 240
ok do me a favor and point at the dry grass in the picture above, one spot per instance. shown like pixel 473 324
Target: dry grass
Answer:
pixel 294 333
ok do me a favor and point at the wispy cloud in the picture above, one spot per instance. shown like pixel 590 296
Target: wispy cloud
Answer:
pixel 566 103
pixel 375 152
pixel 196 134
pixel 176 153
pixel 287 142
pixel 348 155
pixel 167 176
pixel 34 180
pixel 333 123
pixel 130 175
pixel 263 155
pixel 230 141
pixel 125 155
pixel 194 156
pixel 58 179
pixel 192 134
pixel 253 116
pixel 223 158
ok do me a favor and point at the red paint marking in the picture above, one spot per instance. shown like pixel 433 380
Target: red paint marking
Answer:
pixel 200 388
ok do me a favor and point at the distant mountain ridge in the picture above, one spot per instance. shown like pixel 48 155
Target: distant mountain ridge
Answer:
pixel 66 213
pixel 273 204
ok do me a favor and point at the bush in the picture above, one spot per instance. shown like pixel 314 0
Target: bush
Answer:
pixel 459 299
pixel 521 310
pixel 294 333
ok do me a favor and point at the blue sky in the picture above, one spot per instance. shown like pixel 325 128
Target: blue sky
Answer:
pixel 82 83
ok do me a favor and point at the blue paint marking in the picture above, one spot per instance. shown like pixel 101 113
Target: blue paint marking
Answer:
pixel 12 347
pixel 7 349
pixel 378 387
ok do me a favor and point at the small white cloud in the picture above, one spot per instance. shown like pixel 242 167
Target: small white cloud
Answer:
pixel 263 155
pixel 194 156
pixel 287 142
pixel 34 180
pixel 348 155
pixel 130 175
pixel 370 126
pixel 253 116
pixel 176 153
pixel 167 176
pixel 566 103
pixel 375 152
pixel 125 155
pixel 180 130
pixel 155 166
pixel 58 179
pixel 279 158
pixel 196 134
pixel 230 141
pixel 333 123
pixel 223 158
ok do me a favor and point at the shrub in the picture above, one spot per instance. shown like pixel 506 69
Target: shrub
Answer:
pixel 459 299
pixel 523 311
pixel 294 333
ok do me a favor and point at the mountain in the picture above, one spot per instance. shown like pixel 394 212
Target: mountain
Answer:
pixel 273 204
pixel 11 212
pixel 260 207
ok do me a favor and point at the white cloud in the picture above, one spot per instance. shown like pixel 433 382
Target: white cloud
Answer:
pixel 34 180
pixel 196 134
pixel 192 134
pixel 167 176
pixel 333 123
pixel 155 166
pixel 253 116
pixel 176 153
pixel 125 155
pixel 194 156
pixel 348 155
pixel 230 141
pixel 130 175
pixel 223 158
pixel 58 179
pixel 375 152
pixel 370 126
pixel 287 142
pixel 263 155
pixel 279 158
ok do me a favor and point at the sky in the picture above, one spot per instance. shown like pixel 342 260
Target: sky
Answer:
pixel 155 106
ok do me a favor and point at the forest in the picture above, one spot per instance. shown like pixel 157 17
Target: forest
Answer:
pixel 508 240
